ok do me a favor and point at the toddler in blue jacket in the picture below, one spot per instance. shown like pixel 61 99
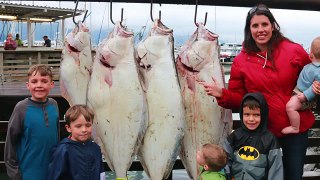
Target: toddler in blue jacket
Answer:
pixel 77 156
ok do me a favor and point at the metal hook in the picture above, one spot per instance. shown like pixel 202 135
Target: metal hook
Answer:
pixel 111 13
pixel 195 16
pixel 151 7
pixel 75 11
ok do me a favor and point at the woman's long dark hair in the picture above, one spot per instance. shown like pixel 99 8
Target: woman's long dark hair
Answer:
pixel 250 45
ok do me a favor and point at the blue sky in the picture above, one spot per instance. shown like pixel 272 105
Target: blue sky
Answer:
pixel 227 22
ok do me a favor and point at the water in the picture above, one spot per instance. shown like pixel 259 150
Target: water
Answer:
pixel 141 175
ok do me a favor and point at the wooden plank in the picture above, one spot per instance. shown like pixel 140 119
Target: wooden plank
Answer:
pixel 19 61
pixel 314 142
pixel 312 159
pixel 27 66
pixel 311 178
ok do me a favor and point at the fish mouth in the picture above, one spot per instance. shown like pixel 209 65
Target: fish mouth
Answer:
pixel 73 49
pixel 105 63
pixel 187 68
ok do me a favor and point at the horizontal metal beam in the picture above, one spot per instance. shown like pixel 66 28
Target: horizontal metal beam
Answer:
pixel 278 4
pixel 31 14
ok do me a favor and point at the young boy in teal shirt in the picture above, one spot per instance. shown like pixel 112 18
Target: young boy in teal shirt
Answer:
pixel 32 129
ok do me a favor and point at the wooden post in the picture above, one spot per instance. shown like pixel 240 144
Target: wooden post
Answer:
pixel 1 67
pixel 39 57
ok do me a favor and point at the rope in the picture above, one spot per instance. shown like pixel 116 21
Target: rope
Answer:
pixel 105 8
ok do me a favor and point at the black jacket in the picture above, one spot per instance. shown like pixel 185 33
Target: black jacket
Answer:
pixel 254 154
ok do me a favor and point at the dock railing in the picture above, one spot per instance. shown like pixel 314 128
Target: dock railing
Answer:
pixel 14 64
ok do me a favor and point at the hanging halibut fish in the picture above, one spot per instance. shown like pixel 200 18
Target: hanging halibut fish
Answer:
pixel 162 141
pixel 76 65
pixel 206 121
pixel 118 100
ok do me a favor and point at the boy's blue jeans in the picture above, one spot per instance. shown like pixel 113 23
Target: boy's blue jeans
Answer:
pixel 294 147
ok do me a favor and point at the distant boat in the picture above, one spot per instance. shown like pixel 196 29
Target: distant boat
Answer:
pixel 228 51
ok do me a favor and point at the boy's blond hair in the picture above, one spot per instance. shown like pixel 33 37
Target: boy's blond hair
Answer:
pixel 75 111
pixel 315 47
pixel 214 156
pixel 42 69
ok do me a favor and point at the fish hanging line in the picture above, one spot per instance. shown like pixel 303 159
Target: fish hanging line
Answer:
pixel 104 12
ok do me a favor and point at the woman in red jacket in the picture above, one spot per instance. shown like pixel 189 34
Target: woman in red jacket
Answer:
pixel 269 63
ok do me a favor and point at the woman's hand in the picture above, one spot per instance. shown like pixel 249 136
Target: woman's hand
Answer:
pixel 316 87
pixel 212 89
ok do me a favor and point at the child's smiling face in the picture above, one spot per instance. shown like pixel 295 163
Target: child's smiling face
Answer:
pixel 39 86
pixel 251 118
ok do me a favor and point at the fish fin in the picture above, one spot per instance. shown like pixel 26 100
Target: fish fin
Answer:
pixel 108 77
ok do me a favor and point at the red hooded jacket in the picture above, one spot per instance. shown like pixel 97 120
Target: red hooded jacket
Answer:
pixel 248 74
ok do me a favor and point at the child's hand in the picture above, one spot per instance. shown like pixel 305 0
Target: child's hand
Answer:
pixel 301 97
pixel 316 87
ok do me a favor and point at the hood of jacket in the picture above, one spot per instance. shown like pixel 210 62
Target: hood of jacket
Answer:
pixel 70 141
pixel 264 111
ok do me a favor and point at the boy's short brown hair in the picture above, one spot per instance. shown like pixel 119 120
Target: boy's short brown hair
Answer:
pixel 214 156
pixel 75 111
pixel 251 103
pixel 42 69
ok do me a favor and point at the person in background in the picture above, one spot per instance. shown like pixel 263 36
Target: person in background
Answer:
pixel 253 151
pixel 303 96
pixel 47 41
pixel 77 156
pixel 212 159
pixel 33 129
pixel 9 43
pixel 269 63
pixel 18 40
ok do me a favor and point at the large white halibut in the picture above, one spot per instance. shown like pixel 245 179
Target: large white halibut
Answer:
pixel 206 121
pixel 162 141
pixel 118 100
pixel 76 65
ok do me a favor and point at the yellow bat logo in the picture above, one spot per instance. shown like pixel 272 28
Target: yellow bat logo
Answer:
pixel 248 153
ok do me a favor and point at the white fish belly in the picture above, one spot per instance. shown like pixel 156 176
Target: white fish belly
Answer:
pixel 204 124
pixel 162 140
pixel 206 121
pixel 121 114
pixel 74 78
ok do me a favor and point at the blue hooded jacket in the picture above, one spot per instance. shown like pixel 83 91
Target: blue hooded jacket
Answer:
pixel 73 160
